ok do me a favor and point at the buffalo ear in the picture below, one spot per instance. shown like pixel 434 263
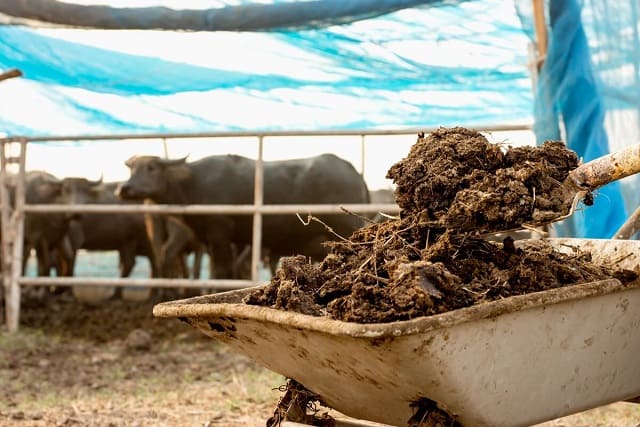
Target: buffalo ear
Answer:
pixel 179 169
pixel 131 161
pixel 180 172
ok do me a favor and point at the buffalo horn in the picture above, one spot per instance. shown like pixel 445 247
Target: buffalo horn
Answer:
pixel 173 162
pixel 98 182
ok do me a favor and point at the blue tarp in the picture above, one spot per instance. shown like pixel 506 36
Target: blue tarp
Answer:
pixel 417 67
pixel 436 64
pixel 569 96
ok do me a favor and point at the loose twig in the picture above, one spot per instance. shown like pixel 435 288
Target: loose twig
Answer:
pixel 329 229
pixel 378 278
pixel 535 230
pixel 362 217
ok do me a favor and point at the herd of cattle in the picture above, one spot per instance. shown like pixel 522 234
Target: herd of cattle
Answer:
pixel 166 240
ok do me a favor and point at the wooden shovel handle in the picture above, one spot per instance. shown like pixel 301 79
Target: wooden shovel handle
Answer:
pixel 606 169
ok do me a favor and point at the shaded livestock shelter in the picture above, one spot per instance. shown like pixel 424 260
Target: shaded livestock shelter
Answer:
pixel 330 65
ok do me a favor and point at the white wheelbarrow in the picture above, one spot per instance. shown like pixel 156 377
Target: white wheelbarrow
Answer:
pixel 513 362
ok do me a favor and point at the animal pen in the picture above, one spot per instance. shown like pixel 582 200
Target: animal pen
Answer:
pixel 13 156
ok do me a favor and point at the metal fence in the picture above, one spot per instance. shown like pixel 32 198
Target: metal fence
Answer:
pixel 13 214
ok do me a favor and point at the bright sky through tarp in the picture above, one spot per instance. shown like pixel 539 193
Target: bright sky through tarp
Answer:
pixel 455 64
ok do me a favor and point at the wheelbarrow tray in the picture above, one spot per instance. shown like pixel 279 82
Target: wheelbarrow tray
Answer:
pixel 512 362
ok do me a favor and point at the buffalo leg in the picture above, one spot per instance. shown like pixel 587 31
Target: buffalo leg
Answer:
pixel 156 234
pixel 153 265
pixel 171 259
pixel 26 254
pixel 127 256
pixel 212 268
pixel 183 268
pixel 222 260
pixel 126 262
pixel 43 257
pixel 66 258
pixel 198 253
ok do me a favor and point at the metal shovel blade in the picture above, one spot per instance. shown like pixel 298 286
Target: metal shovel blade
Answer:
pixel 588 177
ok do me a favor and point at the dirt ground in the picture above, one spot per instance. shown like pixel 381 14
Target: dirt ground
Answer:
pixel 74 364
pixel 71 364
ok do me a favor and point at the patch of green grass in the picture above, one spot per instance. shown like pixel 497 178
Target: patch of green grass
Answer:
pixel 25 339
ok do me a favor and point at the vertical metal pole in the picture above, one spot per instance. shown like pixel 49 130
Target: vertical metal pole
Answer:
pixel 258 199
pixel 542 39
pixel 17 223
pixel 362 154
pixel 165 148
pixel 6 211
pixel 8 304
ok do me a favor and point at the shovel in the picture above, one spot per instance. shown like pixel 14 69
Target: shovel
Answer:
pixel 586 177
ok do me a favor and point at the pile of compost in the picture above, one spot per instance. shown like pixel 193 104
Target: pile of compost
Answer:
pixel 452 188
pixel 456 179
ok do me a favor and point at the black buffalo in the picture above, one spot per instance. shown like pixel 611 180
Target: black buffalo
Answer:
pixel 229 179
pixel 46 233
pixel 122 232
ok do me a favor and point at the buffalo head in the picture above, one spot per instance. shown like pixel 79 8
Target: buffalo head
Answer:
pixel 42 187
pixel 151 178
pixel 79 191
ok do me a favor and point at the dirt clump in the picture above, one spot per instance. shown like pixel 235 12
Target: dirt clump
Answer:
pixel 456 179
pixel 378 276
pixel 138 340
pixel 451 187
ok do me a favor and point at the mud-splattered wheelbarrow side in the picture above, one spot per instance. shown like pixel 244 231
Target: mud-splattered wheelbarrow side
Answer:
pixel 513 362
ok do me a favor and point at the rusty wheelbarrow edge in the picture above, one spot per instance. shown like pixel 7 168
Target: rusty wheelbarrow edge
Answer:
pixel 231 305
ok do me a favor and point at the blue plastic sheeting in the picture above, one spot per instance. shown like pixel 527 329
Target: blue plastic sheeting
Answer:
pixel 613 33
pixel 455 64
pixel 569 92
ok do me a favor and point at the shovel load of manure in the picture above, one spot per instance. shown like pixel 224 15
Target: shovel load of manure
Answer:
pixel 453 189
